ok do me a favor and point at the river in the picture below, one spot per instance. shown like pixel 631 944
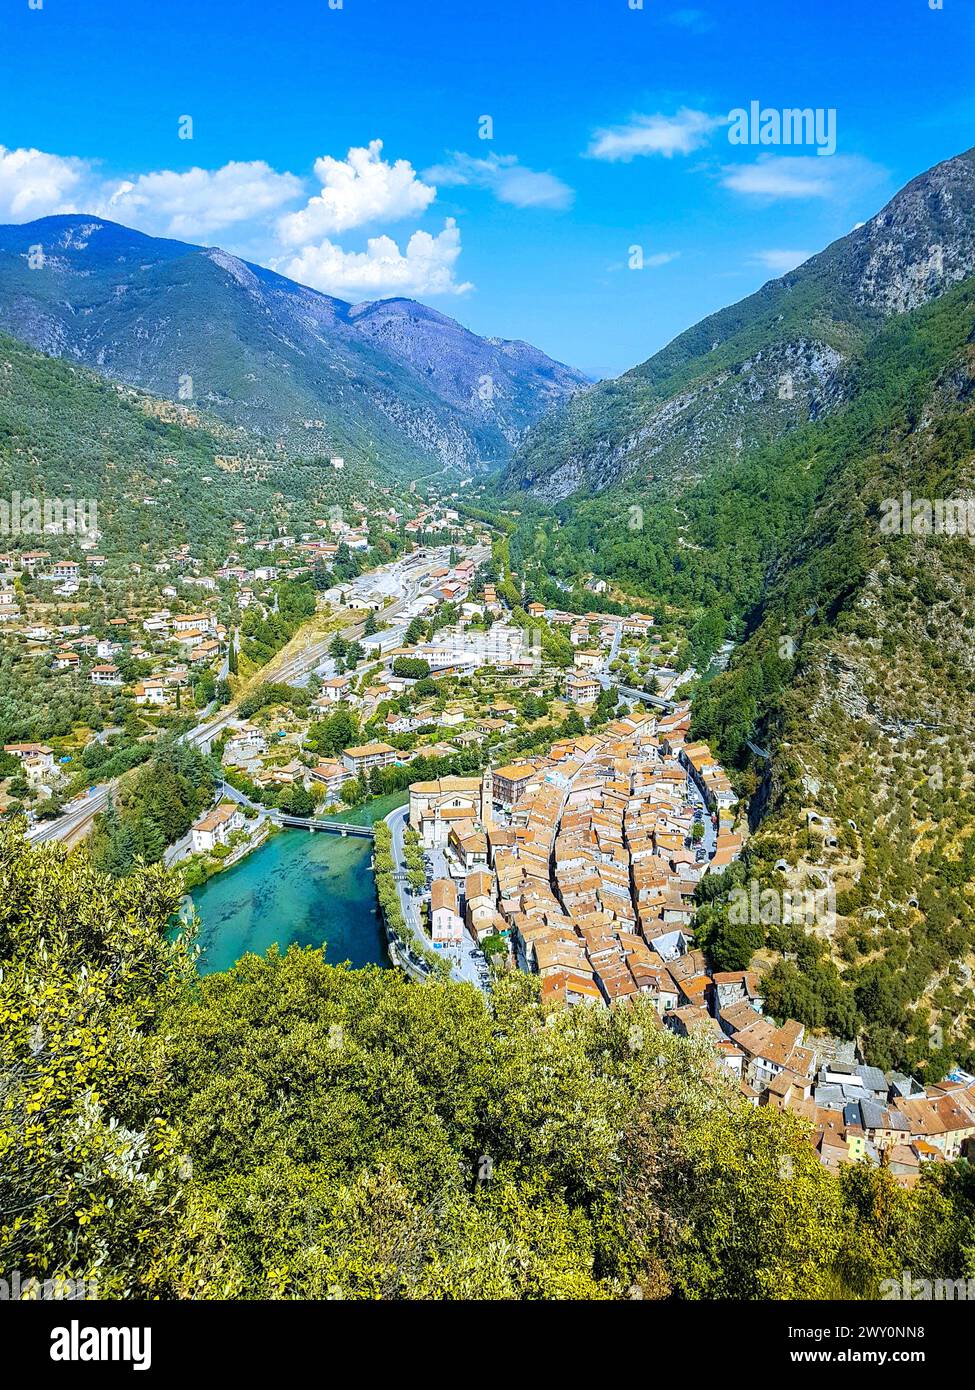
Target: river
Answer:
pixel 310 889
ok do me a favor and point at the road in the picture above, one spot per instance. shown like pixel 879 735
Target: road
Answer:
pixel 75 820
pixel 467 964
pixel 408 577
pixel 629 693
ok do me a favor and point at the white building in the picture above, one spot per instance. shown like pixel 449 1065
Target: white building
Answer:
pixel 216 827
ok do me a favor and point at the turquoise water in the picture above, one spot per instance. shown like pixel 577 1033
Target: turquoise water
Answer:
pixel 315 890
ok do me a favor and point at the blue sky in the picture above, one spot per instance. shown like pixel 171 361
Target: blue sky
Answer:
pixel 609 132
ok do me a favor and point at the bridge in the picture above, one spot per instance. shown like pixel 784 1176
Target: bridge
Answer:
pixel 334 827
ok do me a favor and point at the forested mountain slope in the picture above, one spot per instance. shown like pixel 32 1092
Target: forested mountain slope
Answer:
pixel 392 383
pixel 858 675
pixel 743 377
pixel 151 465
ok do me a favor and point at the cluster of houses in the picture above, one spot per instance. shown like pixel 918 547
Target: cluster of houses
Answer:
pixel 595 637
pixel 592 853
pixel 856 1113
pixel 586 862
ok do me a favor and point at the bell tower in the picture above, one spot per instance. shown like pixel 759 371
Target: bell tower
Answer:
pixel 487 797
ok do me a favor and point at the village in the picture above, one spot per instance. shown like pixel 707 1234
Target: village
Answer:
pixel 582 867
pixel 554 814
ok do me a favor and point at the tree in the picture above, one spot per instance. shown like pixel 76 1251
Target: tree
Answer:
pixel 91 1182
pixel 294 800
pixel 339 730
pixel 411 667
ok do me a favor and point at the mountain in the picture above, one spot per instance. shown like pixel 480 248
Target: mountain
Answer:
pixel 742 377
pixel 392 382
pixel 162 474
pixel 857 675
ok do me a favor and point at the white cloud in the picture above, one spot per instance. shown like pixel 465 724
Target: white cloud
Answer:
pixel 192 204
pixel 425 268
pixel 198 202
pixel 509 181
pixel 802 176
pixel 682 133
pixel 248 198
pixel 35 184
pixel 781 262
pixel 359 189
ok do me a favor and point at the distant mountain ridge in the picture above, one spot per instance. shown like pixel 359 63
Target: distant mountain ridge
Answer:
pixel 742 377
pixel 392 381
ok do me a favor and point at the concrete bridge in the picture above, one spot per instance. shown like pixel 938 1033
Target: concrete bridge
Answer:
pixel 333 827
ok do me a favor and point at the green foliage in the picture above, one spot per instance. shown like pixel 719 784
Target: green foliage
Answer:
pixel 263 636
pixel 92 1172
pixel 411 667
pixel 337 731
pixel 154 810
pixel 270 693
pixel 293 1129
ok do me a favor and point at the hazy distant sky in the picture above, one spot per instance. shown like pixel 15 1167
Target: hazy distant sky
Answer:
pixel 342 146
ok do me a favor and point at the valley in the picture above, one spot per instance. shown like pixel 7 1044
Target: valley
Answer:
pixel 430 764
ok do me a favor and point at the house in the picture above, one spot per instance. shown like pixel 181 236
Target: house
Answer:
pixel 331 775
pixel 589 660
pixel 512 782
pixel 245 744
pixel 105 674
pixel 204 651
pixel 66 661
pixel 438 804
pixel 151 691
pixel 581 689
pixel 771 1051
pixel 468 845
pixel 335 689
pixel 447 928
pixel 480 909
pixel 735 987
pixel 198 623
pixel 37 754
pixel 216 827
pixel 366 756
pixel 397 723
